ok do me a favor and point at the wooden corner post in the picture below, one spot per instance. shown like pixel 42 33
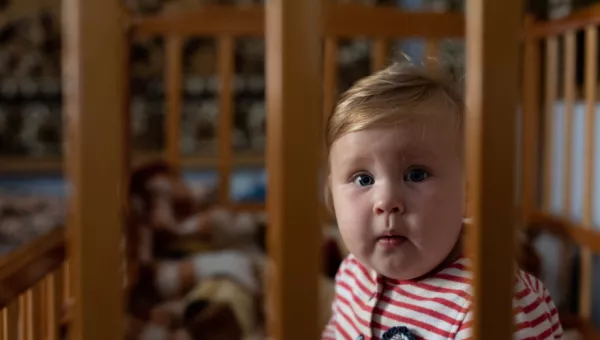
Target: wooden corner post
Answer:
pixel 294 105
pixel 492 59
pixel 95 93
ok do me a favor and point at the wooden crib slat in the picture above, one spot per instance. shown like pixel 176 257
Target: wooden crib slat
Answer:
pixel 591 70
pixel 48 311
pixel 226 76
pixel 94 97
pixel 530 119
pixel 567 201
pixel 11 326
pixel 34 313
pixel 550 96
pixel 43 307
pixel 52 306
pixel 60 294
pixel 23 312
pixel 3 324
pixel 492 83
pixel 173 92
pixel 379 54
pixel 28 321
pixel 29 314
pixel 294 103
pixel 569 88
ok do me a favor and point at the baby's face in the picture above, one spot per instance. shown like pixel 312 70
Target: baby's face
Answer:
pixel 399 194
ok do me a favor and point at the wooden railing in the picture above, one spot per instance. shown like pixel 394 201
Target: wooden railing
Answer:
pixel 541 93
pixel 33 287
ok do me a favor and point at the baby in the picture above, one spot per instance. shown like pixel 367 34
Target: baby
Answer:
pixel 397 186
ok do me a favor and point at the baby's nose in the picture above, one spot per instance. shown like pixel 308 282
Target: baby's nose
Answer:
pixel 383 208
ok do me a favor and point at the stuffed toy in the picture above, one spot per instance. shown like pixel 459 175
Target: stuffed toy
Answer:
pixel 197 298
pixel 188 247
pixel 221 308
pixel 200 266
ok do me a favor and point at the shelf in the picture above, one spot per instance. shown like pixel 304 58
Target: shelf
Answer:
pixel 21 164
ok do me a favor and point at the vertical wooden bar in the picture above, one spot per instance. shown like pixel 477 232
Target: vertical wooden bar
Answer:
pixel 569 88
pixel 94 96
pixel 550 101
pixel 591 87
pixel 33 321
pixel 3 324
pixel 492 30
pixel 567 196
pixel 43 306
pixel 226 76
pixel 294 101
pixel 23 313
pixel 53 306
pixel 11 329
pixel 379 54
pixel 530 123
pixel 173 92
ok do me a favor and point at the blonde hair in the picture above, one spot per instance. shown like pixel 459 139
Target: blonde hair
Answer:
pixel 391 96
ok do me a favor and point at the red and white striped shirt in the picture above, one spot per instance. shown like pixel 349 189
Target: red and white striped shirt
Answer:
pixel 366 305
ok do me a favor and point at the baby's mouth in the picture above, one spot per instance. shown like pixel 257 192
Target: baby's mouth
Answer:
pixel 390 240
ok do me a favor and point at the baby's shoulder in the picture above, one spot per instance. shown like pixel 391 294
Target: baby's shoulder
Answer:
pixel 531 294
pixel 525 279
pixel 535 312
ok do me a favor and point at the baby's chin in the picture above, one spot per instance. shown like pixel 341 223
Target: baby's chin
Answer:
pixel 401 273
pixel 399 266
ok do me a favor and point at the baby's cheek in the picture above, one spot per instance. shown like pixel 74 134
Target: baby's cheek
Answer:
pixel 353 227
pixel 429 224
pixel 440 231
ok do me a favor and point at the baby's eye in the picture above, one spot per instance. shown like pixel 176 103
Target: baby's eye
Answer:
pixel 416 175
pixel 364 180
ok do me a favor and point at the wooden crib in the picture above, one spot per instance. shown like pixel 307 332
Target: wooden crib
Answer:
pixel 96 39
pixel 553 92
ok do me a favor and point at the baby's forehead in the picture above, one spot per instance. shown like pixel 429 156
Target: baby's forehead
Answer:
pixel 413 130
pixel 409 141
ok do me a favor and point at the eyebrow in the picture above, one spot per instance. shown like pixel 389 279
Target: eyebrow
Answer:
pixel 351 159
pixel 406 154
